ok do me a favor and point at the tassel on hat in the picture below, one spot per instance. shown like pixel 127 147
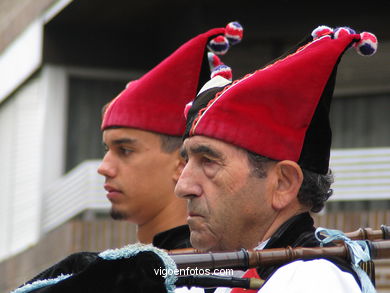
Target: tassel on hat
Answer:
pixel 366 46
pixel 217 67
pixel 233 35
pixel 234 32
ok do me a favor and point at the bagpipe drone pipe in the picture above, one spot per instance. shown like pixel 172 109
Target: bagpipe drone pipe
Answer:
pixel 144 268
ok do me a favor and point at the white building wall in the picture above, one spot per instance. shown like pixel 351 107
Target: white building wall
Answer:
pixel 24 125
pixel 7 115
pixel 20 153
pixel 32 135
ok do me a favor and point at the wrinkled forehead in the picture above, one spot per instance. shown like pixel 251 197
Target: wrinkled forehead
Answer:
pixel 214 147
pixel 200 140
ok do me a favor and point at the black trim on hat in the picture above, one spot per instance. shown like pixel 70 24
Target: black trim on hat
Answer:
pixel 199 103
pixel 315 153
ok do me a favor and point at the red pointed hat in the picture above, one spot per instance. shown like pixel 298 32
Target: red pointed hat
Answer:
pixel 155 102
pixel 282 110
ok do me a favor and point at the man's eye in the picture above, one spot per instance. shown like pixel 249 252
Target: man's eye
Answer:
pixel 207 160
pixel 125 151
pixel 184 155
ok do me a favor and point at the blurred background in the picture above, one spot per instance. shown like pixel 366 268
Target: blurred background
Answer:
pixel 62 60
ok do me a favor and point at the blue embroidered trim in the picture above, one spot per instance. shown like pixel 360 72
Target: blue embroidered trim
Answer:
pixel 358 250
pixel 40 284
pixel 133 249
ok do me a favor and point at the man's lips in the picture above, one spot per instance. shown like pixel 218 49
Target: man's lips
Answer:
pixel 193 214
pixel 112 192
pixel 110 188
pixel 195 219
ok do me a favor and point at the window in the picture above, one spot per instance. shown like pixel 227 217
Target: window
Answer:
pixel 87 96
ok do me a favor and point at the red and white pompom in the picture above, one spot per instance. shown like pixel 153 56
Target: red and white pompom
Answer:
pixel 320 31
pixel 367 45
pixel 214 60
pixel 343 31
pixel 234 32
pixel 187 109
pixel 219 45
pixel 222 70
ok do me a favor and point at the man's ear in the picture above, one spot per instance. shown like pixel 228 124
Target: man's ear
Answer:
pixel 288 181
pixel 179 166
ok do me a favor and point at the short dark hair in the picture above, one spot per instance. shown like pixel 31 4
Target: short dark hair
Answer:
pixel 315 189
pixel 257 164
pixel 170 143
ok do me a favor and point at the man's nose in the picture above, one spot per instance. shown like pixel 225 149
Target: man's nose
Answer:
pixel 106 167
pixel 189 184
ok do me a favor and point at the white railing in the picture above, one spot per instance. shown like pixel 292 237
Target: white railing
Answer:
pixel 360 174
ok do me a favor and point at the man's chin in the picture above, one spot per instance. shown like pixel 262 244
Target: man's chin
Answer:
pixel 200 242
pixel 118 215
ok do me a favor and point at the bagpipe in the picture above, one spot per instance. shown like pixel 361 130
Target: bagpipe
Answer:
pixel 144 268
pixel 377 245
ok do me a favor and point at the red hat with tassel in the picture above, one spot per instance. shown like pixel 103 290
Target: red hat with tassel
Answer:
pixel 282 110
pixel 155 102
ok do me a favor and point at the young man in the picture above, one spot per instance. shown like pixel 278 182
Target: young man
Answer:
pixel 141 169
pixel 257 156
pixel 142 129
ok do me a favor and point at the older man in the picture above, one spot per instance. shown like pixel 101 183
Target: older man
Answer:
pixel 257 154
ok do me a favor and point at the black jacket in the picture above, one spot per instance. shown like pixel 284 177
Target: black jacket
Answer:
pixel 89 272
pixel 178 237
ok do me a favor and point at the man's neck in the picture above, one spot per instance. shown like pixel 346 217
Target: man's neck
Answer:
pixel 281 218
pixel 171 216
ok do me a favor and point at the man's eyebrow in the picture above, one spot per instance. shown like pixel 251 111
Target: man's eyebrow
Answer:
pixel 204 149
pixel 123 140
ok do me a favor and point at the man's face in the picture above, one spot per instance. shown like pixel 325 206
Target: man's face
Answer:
pixel 139 175
pixel 226 202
